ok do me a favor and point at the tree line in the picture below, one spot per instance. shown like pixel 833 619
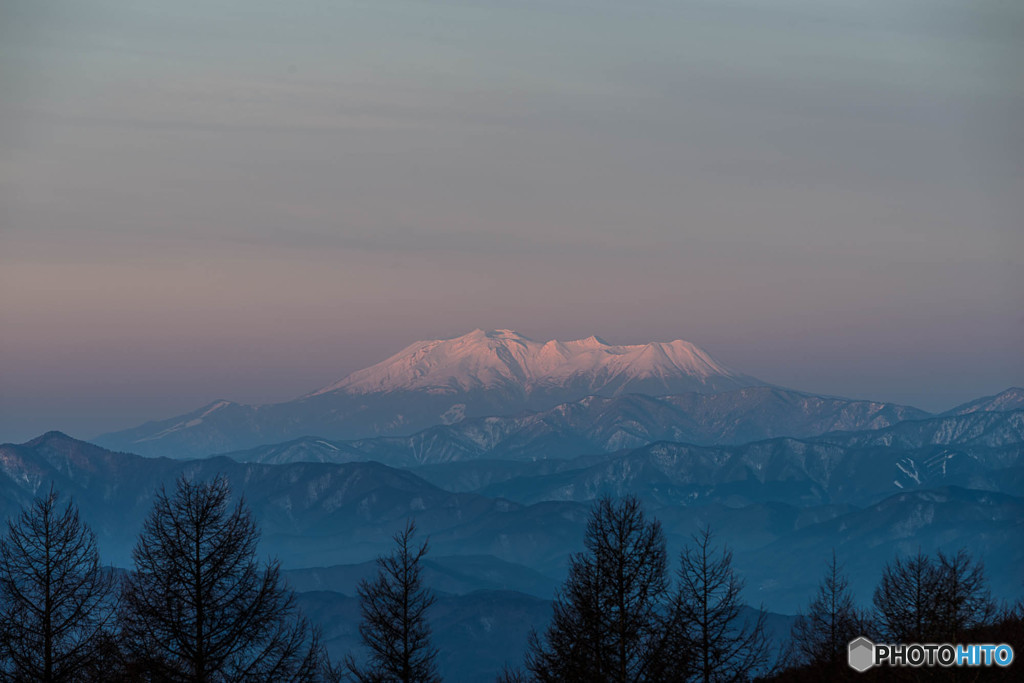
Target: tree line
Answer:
pixel 198 606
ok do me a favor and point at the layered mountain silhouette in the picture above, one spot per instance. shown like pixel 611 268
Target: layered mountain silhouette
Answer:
pixel 604 425
pixel 499 372
pixel 310 514
pixel 774 501
pixel 497 446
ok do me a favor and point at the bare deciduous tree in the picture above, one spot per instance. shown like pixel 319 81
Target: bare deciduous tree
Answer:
pixel 394 627
pixel 723 646
pixel 906 600
pixel 963 599
pixel 822 634
pixel 200 608
pixel 611 620
pixel 56 601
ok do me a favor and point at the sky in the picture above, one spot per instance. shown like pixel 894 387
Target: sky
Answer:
pixel 248 200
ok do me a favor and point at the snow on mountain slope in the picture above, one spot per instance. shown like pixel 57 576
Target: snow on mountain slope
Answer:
pixel 506 359
pixel 601 425
pixel 441 381
pixel 1011 399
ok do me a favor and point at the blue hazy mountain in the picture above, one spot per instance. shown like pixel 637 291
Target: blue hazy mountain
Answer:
pixel 476 634
pixel 603 425
pixel 457 574
pixel 810 498
pixel 311 514
pixel 1011 399
pixel 981 450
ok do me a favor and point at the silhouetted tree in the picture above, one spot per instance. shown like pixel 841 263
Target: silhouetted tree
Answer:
pixel 906 600
pixel 56 601
pixel 510 674
pixel 394 626
pixel 822 635
pixel 963 600
pixel 611 621
pixel 708 606
pixel 200 608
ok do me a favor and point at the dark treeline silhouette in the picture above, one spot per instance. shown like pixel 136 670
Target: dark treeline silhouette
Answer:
pixel 822 633
pixel 394 626
pixel 919 599
pixel 617 618
pixel 197 606
pixel 57 604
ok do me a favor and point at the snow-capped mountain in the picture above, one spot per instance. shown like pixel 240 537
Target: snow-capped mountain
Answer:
pixel 507 361
pixel 441 382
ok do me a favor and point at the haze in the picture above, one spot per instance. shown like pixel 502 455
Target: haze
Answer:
pixel 248 200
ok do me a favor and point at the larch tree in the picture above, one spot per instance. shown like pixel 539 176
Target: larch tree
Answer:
pixel 906 600
pixel 56 601
pixel 822 634
pixel 963 599
pixel 200 608
pixel 611 619
pixel 723 646
pixel 394 624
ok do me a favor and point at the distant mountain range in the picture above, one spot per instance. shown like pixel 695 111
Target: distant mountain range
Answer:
pixel 311 514
pixel 441 382
pixel 603 425
pixel 779 498
pixel 497 445
pixel 979 450
pixel 458 574
pixel 584 396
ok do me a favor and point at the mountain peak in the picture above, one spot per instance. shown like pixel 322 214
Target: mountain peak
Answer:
pixel 479 334
pixel 591 341
pixel 505 360
pixel 52 436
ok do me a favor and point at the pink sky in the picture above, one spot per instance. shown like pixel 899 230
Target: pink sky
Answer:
pixel 197 203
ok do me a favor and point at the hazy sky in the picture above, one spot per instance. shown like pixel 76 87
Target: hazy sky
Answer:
pixel 247 200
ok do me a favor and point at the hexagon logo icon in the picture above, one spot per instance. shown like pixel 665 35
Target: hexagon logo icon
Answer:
pixel 861 655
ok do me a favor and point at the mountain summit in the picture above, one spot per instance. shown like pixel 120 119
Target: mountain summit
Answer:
pixel 506 360
pixel 439 381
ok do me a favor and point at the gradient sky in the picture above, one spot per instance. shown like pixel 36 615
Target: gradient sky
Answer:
pixel 247 200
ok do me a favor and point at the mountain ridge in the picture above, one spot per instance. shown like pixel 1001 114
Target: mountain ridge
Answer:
pixel 504 358
pixel 602 425
pixel 321 515
pixel 440 382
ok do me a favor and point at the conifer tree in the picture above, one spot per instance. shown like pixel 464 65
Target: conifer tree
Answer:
pixel 199 607
pixel 394 626
pixel 906 600
pixel 963 599
pixel 611 618
pixel 723 646
pixel 56 601
pixel 822 634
